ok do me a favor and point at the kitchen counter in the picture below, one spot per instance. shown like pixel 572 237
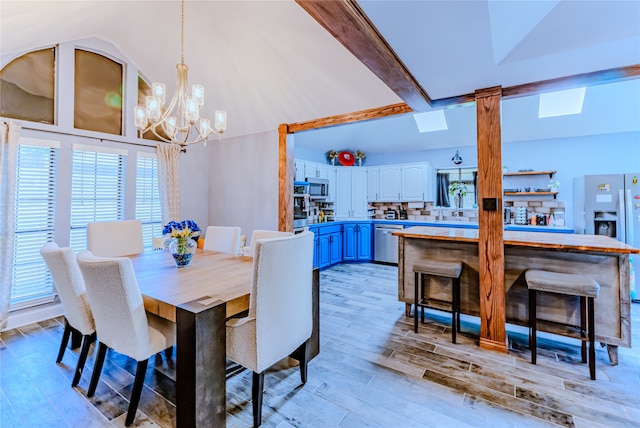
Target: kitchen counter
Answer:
pixel 603 258
pixel 446 224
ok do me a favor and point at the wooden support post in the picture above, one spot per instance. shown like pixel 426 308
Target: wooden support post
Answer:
pixel 285 180
pixel 490 227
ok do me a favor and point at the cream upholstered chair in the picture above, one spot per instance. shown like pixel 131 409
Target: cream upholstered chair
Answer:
pixel 225 239
pixel 68 280
pixel 121 321
pixel 115 238
pixel 263 234
pixel 279 322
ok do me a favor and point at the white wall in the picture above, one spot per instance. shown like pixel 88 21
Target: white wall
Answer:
pixel 243 182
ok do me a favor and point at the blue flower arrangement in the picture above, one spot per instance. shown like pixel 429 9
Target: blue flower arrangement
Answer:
pixel 180 241
pixel 183 229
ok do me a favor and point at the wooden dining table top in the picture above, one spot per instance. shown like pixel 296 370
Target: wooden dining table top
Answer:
pixel 211 276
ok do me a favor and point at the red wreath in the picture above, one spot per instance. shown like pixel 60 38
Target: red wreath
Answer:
pixel 346 158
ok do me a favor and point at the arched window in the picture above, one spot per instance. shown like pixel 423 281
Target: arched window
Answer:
pixel 27 85
pixel 98 93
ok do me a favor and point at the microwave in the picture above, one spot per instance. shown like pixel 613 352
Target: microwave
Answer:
pixel 318 188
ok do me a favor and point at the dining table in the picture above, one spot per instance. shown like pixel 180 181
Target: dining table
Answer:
pixel 199 298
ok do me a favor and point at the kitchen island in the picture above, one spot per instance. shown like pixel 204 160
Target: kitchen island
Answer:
pixel 603 258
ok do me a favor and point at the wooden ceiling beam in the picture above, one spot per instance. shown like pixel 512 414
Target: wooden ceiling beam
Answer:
pixel 586 79
pixel 348 23
pixel 356 116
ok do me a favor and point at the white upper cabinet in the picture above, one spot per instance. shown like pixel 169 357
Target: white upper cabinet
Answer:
pixel 299 170
pixel 351 196
pixel 413 183
pixel 389 179
pixel 373 183
pixel 332 177
pixel 400 183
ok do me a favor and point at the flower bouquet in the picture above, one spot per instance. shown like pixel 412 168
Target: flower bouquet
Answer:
pixel 180 240
pixel 458 190
pixel 332 155
pixel 360 156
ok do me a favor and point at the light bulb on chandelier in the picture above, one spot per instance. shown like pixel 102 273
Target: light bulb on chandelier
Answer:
pixel 177 127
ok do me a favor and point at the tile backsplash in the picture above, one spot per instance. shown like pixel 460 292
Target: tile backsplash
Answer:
pixel 428 212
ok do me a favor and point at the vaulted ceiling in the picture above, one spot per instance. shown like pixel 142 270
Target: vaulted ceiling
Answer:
pixel 269 62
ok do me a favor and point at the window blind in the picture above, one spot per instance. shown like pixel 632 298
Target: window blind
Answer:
pixel 148 208
pixel 34 224
pixel 97 191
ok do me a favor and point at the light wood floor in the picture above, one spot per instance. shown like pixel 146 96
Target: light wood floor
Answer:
pixel 372 371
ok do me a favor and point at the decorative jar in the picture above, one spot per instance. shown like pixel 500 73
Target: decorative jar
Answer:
pixel 182 250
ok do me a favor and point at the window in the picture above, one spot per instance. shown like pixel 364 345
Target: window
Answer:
pixel 34 224
pixel 97 189
pixel 98 93
pixel 148 208
pixel 460 177
pixel 27 85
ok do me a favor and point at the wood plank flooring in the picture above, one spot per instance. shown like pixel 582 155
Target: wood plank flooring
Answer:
pixel 372 371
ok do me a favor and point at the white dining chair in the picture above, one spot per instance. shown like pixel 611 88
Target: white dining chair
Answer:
pixel 279 322
pixel 115 238
pixel 69 283
pixel 225 239
pixel 264 234
pixel 122 323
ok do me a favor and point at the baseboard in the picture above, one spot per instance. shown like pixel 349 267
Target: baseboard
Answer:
pixel 32 315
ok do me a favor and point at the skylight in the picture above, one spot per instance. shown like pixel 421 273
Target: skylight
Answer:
pixel 561 103
pixel 431 121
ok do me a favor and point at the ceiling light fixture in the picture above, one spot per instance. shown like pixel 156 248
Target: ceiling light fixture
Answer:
pixel 181 120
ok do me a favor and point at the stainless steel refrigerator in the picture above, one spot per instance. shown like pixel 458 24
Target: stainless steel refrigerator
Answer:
pixel 609 204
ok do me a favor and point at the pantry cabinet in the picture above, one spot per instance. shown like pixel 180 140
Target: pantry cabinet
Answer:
pixel 351 196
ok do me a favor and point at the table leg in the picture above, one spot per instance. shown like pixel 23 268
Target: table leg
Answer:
pixel 201 364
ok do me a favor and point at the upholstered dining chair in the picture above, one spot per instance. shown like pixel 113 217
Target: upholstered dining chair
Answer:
pixel 263 234
pixel 225 239
pixel 115 238
pixel 279 322
pixel 69 283
pixel 121 321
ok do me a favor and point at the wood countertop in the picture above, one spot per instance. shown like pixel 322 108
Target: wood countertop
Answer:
pixel 595 243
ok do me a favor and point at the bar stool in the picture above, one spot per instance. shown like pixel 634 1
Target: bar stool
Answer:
pixel 442 269
pixel 570 285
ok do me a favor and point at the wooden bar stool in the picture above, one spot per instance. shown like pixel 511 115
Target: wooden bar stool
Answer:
pixel 570 285
pixel 442 269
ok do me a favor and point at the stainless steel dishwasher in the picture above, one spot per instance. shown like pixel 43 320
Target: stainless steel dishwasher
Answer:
pixel 385 245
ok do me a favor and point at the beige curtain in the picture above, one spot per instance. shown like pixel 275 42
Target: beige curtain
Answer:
pixel 9 135
pixel 169 181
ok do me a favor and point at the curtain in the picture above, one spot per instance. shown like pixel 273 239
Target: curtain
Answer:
pixel 442 189
pixel 9 135
pixel 475 186
pixel 169 181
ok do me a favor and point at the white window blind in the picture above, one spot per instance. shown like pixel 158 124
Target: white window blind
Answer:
pixel 97 191
pixel 34 224
pixel 148 208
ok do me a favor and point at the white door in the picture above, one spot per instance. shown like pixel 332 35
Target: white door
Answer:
pixel 358 193
pixel 389 183
pixel 298 170
pixel 373 186
pixel 343 193
pixel 412 183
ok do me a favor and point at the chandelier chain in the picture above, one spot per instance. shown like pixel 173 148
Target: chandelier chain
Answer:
pixel 182 34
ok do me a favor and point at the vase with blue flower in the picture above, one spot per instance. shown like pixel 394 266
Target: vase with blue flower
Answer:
pixel 180 240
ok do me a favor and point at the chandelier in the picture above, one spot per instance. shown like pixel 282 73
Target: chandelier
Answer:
pixel 180 122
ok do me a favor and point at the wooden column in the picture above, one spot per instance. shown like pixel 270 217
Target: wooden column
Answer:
pixel 285 180
pixel 490 227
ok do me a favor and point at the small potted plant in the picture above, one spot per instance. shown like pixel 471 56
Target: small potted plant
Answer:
pixel 360 155
pixel 458 190
pixel 332 155
pixel 553 185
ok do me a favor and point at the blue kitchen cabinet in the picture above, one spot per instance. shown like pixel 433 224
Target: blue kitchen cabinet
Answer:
pixel 365 241
pixel 329 246
pixel 357 242
pixel 316 260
